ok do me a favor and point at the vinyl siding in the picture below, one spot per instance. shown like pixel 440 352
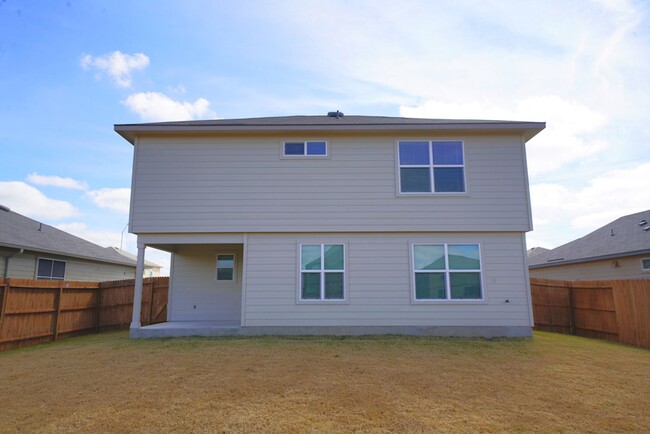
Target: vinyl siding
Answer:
pixel 24 267
pixel 211 184
pixel 195 293
pixel 621 268
pixel 379 283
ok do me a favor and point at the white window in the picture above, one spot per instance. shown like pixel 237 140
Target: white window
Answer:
pixel 322 272
pixel 645 264
pixel 431 166
pixel 225 267
pixel 50 269
pixel 447 272
pixel 316 148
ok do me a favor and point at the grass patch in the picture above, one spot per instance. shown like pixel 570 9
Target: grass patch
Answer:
pixel 108 383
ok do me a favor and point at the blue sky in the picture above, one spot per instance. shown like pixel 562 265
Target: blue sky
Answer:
pixel 69 70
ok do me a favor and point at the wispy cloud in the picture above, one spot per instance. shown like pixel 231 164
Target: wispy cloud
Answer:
pixel 569 136
pixel 155 106
pixel 114 199
pixel 56 181
pixel 27 200
pixel 116 65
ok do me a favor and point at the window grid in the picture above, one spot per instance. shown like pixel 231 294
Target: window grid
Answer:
pixel 309 148
pixel 432 166
pixel 50 274
pixel 323 272
pixel 645 264
pixel 226 256
pixel 447 272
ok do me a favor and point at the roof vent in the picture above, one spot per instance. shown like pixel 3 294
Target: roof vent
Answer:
pixel 337 114
pixel 4 208
pixel 643 222
pixel 646 229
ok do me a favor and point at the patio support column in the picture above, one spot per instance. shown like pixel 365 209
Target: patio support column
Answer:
pixel 137 293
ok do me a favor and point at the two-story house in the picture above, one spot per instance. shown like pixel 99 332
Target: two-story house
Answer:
pixel 335 224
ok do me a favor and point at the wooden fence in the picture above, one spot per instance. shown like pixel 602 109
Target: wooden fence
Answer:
pixel 36 311
pixel 617 310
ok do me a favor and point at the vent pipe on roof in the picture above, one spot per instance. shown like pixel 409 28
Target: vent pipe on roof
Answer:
pixel 337 114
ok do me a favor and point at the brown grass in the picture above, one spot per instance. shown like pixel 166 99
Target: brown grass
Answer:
pixel 108 383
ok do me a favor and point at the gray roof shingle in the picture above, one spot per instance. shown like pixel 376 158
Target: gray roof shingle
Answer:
pixel 622 237
pixel 18 231
pixel 328 123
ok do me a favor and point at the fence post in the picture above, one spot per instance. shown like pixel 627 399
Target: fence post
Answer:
pixel 153 288
pixel 569 289
pixel 3 302
pixel 57 305
pixel 99 307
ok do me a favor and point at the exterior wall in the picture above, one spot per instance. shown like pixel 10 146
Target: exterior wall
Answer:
pixel 196 295
pixel 622 268
pixel 24 267
pixel 379 283
pixel 235 184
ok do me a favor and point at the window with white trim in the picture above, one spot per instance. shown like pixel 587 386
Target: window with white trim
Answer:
pixel 315 148
pixel 447 272
pixel 225 267
pixel 645 264
pixel 50 269
pixel 431 166
pixel 322 272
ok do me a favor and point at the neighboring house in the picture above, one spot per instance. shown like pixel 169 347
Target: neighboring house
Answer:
pixel 618 250
pixel 151 269
pixel 336 224
pixel 534 251
pixel 33 250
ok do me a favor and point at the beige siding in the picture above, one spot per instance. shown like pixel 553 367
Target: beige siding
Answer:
pixel 622 268
pixel 24 267
pixel 196 295
pixel 379 283
pixel 209 184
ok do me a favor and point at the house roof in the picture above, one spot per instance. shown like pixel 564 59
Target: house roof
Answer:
pixel 328 123
pixel 622 237
pixel 20 232
pixel 534 251
pixel 147 264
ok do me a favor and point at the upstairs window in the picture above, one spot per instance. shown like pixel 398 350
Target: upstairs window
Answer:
pixel 322 272
pixel 50 269
pixel 305 149
pixel 431 166
pixel 443 272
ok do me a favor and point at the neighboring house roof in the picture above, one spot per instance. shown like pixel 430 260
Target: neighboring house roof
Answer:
pixel 622 237
pixel 328 123
pixel 534 251
pixel 20 232
pixel 147 264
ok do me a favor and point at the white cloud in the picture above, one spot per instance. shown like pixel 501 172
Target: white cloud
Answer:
pixel 156 106
pixel 117 65
pixel 56 181
pixel 115 199
pixel 567 138
pixel 29 201
pixel 560 212
pixel 102 237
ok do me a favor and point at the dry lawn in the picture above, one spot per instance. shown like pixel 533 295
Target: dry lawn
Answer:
pixel 108 383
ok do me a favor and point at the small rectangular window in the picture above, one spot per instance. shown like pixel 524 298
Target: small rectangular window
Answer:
pixel 447 272
pixel 225 267
pixel 50 269
pixel 645 264
pixel 322 272
pixel 431 166
pixel 316 148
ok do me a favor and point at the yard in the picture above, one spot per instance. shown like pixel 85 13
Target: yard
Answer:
pixel 108 383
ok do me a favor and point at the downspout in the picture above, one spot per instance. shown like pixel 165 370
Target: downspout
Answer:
pixel 6 272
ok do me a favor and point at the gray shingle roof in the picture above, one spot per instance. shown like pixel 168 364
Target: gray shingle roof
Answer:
pixel 622 237
pixel 18 231
pixel 328 123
